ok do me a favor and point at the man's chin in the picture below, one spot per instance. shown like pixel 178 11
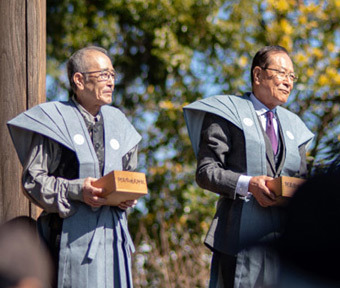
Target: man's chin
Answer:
pixel 282 100
pixel 107 100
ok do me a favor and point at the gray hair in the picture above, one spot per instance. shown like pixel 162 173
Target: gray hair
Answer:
pixel 77 62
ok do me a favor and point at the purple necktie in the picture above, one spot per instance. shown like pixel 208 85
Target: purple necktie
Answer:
pixel 270 131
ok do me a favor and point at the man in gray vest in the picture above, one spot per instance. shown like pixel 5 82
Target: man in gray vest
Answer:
pixel 240 144
pixel 64 147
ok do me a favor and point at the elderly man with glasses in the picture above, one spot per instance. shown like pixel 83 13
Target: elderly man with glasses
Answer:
pixel 65 147
pixel 240 144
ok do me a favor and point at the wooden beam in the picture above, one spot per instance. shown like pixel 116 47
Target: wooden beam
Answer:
pixel 36 52
pixel 36 61
pixel 22 85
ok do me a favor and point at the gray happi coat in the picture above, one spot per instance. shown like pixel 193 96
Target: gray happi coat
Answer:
pixel 237 223
pixel 95 243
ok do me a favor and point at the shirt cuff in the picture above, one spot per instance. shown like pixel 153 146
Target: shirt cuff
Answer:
pixel 242 185
pixel 75 189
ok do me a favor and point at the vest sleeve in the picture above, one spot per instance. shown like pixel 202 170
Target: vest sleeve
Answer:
pixel 53 194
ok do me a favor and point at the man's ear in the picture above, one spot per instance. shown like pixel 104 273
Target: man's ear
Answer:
pixel 257 75
pixel 78 79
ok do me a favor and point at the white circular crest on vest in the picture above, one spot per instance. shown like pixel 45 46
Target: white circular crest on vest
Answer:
pixel 290 135
pixel 114 144
pixel 78 139
pixel 248 122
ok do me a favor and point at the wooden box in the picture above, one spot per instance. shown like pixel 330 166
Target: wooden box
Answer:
pixel 284 186
pixel 120 186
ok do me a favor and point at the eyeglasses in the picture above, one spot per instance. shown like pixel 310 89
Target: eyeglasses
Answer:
pixel 281 75
pixel 103 76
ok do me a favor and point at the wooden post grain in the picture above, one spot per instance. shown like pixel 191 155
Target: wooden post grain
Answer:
pixel 22 85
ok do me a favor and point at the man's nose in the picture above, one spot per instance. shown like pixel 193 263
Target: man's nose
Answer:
pixel 287 81
pixel 111 80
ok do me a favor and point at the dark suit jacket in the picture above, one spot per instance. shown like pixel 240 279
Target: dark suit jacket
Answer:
pixel 221 160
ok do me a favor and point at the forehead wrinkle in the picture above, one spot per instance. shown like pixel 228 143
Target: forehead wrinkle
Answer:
pixel 282 60
pixel 95 60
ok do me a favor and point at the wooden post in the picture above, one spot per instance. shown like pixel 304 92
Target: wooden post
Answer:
pixel 22 85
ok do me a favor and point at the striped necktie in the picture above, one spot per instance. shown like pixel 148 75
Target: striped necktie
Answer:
pixel 271 131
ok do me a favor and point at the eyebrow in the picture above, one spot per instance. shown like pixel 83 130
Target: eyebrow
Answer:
pixel 108 70
pixel 285 69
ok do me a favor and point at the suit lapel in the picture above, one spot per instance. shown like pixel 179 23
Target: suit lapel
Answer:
pixel 271 168
pixel 283 149
pixel 269 154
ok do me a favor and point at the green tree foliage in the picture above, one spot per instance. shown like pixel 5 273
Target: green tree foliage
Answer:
pixel 171 52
